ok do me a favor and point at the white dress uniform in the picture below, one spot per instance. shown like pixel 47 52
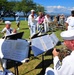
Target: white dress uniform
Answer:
pixel 70 21
pixel 37 25
pixel 46 23
pixel 32 25
pixel 7 32
pixel 67 65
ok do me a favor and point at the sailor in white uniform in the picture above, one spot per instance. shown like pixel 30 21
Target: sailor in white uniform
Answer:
pixel 70 21
pixel 7 30
pixel 32 23
pixel 47 21
pixel 67 66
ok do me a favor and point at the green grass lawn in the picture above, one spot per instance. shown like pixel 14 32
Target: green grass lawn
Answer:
pixel 35 64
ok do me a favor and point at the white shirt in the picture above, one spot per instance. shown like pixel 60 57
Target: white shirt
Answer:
pixel 17 18
pixel 67 67
pixel 31 21
pixel 7 31
pixel 70 21
pixel 48 20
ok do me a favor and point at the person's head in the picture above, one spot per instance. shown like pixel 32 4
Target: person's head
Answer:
pixel 7 24
pixel 68 37
pixel 40 13
pixel 32 11
pixel 47 15
pixel 72 12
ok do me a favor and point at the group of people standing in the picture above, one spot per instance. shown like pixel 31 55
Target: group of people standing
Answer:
pixel 39 23
pixel 42 22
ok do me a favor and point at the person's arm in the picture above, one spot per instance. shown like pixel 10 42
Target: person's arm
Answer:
pixel 60 68
pixel 56 60
pixel 66 24
pixel 3 31
pixel 28 20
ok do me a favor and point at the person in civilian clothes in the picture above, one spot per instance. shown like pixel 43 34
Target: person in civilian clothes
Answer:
pixel 40 22
pixel 67 65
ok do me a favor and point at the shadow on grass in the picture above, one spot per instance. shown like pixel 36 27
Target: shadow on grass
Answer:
pixel 44 64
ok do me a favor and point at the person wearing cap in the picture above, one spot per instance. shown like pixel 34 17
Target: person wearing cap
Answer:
pixel 70 21
pixel 67 65
pixel 7 30
pixel 32 23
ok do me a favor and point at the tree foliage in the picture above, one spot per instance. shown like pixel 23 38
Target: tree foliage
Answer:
pixel 25 6
pixel 3 4
pixel 6 7
pixel 22 5
pixel 40 8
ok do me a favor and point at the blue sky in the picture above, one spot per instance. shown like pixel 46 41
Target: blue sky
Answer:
pixel 57 6
pixel 55 2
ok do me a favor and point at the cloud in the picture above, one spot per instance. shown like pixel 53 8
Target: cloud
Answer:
pixel 72 8
pixel 59 9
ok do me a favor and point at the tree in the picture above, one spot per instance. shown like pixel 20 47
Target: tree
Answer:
pixel 9 6
pixel 25 6
pixel 2 6
pixel 40 8
pixel 6 7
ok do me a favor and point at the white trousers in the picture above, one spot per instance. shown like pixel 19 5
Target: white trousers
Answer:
pixel 32 30
pixel 46 27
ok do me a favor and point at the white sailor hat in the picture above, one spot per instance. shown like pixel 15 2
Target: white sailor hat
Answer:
pixel 8 22
pixel 32 10
pixel 67 35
